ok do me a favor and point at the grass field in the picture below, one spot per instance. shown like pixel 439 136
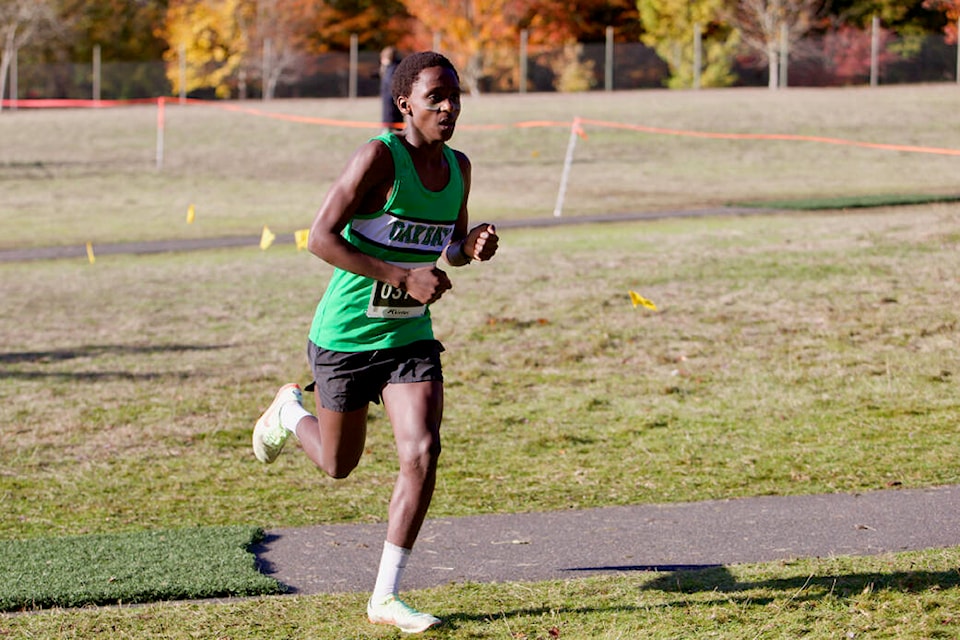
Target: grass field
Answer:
pixel 792 353
pixel 71 177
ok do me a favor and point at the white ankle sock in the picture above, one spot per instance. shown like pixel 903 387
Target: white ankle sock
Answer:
pixel 290 415
pixel 392 562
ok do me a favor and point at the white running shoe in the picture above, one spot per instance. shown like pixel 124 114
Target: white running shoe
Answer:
pixel 269 436
pixel 398 613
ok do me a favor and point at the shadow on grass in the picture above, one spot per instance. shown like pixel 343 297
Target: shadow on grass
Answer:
pixel 92 376
pixel 720 579
pixel 98 350
pixel 690 579
pixel 55 356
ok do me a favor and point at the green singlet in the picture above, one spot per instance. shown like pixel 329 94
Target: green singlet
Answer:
pixel 357 313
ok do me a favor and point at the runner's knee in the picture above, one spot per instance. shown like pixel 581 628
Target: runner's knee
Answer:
pixel 420 457
pixel 341 466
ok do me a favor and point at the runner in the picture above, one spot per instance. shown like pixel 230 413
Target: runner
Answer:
pixel 390 115
pixel 398 206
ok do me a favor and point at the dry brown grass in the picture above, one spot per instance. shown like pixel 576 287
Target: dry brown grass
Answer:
pixel 75 176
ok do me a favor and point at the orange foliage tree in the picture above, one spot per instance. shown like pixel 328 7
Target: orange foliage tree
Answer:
pixel 482 36
pixel 952 10
pixel 376 25
pixel 562 25
pixel 472 32
pixel 560 22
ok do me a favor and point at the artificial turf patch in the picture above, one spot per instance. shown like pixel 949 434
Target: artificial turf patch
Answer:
pixel 852 202
pixel 172 564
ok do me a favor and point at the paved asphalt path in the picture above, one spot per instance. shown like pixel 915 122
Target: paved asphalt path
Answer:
pixel 195 244
pixel 542 546
pixel 611 540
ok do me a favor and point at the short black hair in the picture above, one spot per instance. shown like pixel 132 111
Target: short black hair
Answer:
pixel 411 66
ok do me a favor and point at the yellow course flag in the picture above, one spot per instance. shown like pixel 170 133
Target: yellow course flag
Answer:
pixel 301 236
pixel 639 300
pixel 191 214
pixel 266 238
pixel 92 258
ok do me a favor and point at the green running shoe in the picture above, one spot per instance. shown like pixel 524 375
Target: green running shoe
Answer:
pixel 269 436
pixel 395 611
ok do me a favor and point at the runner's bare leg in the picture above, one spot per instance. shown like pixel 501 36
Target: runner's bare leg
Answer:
pixel 415 411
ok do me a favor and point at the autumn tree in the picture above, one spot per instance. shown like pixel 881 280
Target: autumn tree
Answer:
pixel 563 26
pixel 561 22
pixel 767 25
pixel 20 22
pixel 951 8
pixel 124 30
pixel 911 21
pixel 669 27
pixel 287 31
pixel 903 17
pixel 213 37
pixel 230 43
pixel 848 52
pixel 376 25
pixel 471 31
pixel 280 33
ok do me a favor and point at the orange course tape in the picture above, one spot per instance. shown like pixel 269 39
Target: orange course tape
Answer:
pixel 775 136
pixel 64 104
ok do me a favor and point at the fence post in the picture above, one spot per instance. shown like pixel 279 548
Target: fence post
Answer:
pixel 608 62
pixel 265 71
pixel 14 80
pixel 96 73
pixel 874 51
pixel 784 54
pixel 160 132
pixel 524 39
pixel 182 57
pixel 697 54
pixel 353 65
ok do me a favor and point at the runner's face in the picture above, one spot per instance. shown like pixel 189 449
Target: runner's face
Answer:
pixel 434 103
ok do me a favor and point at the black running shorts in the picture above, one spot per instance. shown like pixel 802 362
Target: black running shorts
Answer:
pixel 349 381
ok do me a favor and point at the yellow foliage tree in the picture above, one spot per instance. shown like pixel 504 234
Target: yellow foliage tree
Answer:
pixel 214 40
pixel 669 27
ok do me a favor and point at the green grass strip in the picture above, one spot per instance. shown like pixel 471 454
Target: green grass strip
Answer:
pixel 172 564
pixel 851 202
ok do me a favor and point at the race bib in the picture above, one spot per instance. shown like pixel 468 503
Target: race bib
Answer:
pixel 387 301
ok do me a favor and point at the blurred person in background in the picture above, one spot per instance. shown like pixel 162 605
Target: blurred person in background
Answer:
pixel 390 116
